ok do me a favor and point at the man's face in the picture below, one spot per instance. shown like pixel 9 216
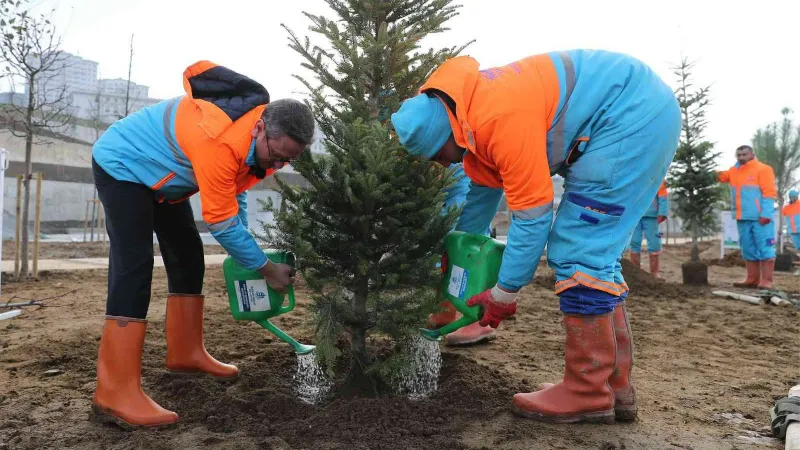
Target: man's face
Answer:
pixel 792 199
pixel 744 155
pixel 273 153
pixel 450 153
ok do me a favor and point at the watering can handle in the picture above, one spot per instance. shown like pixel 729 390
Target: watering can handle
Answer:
pixel 290 260
pixel 290 306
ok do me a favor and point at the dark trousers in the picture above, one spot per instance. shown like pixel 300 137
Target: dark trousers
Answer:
pixel 132 214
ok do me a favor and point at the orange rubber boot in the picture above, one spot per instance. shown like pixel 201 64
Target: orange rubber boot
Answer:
pixel 767 270
pixel 655 265
pixel 185 349
pixel 118 397
pixel 469 335
pixel 443 318
pixel 636 259
pixel 753 276
pixel 584 395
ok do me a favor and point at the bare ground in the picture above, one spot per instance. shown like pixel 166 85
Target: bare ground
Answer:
pixel 707 371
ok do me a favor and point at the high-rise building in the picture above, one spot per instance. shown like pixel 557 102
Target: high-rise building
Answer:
pixel 97 102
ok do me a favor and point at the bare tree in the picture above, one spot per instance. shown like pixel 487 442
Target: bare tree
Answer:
pixel 31 51
pixel 128 88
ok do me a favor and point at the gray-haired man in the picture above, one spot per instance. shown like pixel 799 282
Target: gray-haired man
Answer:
pixel 219 139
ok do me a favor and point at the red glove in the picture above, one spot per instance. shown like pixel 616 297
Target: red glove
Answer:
pixel 660 219
pixel 494 312
pixel 764 220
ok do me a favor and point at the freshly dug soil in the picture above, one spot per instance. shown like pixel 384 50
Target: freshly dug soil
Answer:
pixel 689 395
pixel 640 282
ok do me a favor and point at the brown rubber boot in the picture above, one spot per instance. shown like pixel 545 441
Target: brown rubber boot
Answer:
pixel 443 318
pixel 655 265
pixel 636 259
pixel 118 397
pixel 584 395
pixel 185 349
pixel 620 381
pixel 767 268
pixel 753 276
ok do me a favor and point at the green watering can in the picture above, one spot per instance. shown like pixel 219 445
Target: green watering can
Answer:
pixel 253 300
pixel 471 264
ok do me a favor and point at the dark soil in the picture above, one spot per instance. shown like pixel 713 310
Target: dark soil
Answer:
pixel 261 404
pixel 695 273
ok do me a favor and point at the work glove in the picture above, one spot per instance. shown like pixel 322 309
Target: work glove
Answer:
pixel 660 219
pixel 497 305
pixel 764 220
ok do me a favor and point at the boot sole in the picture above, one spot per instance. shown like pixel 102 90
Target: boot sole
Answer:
pixel 480 340
pixel 626 414
pixel 742 285
pixel 104 416
pixel 605 417
pixel 199 373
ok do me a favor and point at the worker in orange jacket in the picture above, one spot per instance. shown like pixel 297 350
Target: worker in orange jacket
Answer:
pixel 610 126
pixel 792 213
pixel 655 215
pixel 753 196
pixel 219 139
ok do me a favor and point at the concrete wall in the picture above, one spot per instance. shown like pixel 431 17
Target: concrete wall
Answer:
pixel 64 207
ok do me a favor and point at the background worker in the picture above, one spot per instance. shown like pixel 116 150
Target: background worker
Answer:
pixel 792 214
pixel 753 195
pixel 656 214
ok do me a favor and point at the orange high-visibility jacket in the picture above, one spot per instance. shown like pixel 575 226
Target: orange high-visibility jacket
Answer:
pixel 753 191
pixel 198 142
pixel 792 211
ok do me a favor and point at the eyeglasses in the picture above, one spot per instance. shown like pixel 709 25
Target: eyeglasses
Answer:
pixel 273 156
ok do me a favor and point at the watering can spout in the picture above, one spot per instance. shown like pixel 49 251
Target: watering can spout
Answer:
pixel 251 299
pixel 300 349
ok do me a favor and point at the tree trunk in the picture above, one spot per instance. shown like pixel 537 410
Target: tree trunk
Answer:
pixel 780 225
pixel 26 180
pixel 358 381
pixel 695 250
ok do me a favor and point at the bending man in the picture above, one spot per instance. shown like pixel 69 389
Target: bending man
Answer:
pixel 610 126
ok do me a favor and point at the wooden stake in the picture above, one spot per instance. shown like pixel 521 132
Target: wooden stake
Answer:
pixel 17 259
pixel 86 221
pixel 102 224
pixel 37 223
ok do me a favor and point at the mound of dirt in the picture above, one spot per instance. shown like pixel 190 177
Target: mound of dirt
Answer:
pixel 642 283
pixel 262 405
pixel 639 281
pixel 732 259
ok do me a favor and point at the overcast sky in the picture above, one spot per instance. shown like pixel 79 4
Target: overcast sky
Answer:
pixel 749 53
